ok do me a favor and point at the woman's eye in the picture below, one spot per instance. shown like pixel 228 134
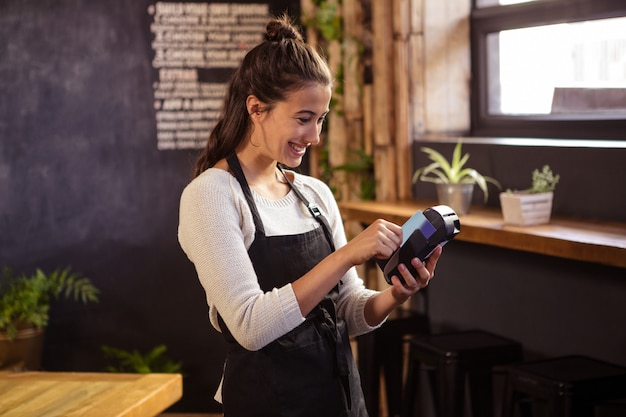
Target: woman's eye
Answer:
pixel 306 120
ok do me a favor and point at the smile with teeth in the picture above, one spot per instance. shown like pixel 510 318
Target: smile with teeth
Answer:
pixel 298 148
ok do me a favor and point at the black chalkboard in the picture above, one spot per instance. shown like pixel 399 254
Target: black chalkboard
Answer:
pixel 82 184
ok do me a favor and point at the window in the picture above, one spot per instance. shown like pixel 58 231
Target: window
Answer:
pixel 549 68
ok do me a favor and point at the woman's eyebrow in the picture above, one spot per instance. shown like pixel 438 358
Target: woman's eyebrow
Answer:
pixel 311 112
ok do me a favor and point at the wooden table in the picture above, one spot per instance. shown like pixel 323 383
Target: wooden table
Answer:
pixel 578 239
pixel 73 394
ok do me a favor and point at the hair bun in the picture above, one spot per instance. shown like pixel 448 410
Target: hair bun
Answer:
pixel 282 28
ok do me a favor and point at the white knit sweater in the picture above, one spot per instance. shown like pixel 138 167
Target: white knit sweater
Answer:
pixel 216 229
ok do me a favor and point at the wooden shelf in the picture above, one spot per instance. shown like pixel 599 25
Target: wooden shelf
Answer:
pixel 581 240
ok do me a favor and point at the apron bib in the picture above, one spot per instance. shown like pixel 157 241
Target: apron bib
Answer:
pixel 308 372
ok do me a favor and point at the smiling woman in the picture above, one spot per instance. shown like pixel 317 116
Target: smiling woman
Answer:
pixel 269 247
pixel 287 128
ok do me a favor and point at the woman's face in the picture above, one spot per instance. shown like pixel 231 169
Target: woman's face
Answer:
pixel 285 132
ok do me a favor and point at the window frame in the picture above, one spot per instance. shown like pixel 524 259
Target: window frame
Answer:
pixel 486 20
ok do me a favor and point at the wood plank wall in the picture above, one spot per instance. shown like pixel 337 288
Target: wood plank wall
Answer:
pixel 417 52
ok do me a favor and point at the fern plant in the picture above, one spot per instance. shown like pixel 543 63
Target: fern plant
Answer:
pixel 136 362
pixel 25 300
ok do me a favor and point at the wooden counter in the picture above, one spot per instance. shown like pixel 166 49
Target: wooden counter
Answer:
pixel 589 241
pixel 71 394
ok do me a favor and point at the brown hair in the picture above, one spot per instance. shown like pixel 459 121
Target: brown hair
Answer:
pixel 281 64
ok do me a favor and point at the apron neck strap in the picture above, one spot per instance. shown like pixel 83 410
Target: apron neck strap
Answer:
pixel 235 167
pixel 313 209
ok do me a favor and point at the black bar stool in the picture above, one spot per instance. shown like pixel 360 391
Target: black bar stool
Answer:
pixel 451 357
pixel 383 349
pixel 611 408
pixel 568 386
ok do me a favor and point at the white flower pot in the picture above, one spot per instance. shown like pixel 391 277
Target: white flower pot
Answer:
pixel 523 209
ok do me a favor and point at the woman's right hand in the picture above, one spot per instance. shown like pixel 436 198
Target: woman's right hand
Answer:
pixel 379 240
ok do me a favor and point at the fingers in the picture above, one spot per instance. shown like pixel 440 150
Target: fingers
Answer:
pixel 389 232
pixel 409 284
pixel 387 237
pixel 425 270
pixel 412 282
pixel 431 262
pixel 423 273
pixel 379 240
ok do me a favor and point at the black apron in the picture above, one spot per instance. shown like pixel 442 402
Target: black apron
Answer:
pixel 310 371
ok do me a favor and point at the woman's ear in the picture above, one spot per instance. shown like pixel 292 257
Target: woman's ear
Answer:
pixel 254 105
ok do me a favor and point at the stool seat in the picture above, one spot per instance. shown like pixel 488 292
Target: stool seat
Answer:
pixel 450 358
pixel 611 408
pixel 567 386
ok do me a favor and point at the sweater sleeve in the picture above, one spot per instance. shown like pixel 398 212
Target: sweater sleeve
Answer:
pixel 215 231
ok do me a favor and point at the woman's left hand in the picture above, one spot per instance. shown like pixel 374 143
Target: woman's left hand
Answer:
pixel 425 270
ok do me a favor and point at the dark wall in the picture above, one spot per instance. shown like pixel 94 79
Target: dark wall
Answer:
pixel 553 306
pixel 82 184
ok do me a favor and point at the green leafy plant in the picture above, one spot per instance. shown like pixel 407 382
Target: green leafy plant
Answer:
pixel 542 181
pixel 136 362
pixel 442 171
pixel 360 168
pixel 326 19
pixel 25 300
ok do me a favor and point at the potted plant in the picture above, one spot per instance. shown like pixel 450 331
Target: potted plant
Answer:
pixel 532 206
pixel 454 181
pixel 135 362
pixel 24 311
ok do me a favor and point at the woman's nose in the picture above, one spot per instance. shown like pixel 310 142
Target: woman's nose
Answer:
pixel 314 136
